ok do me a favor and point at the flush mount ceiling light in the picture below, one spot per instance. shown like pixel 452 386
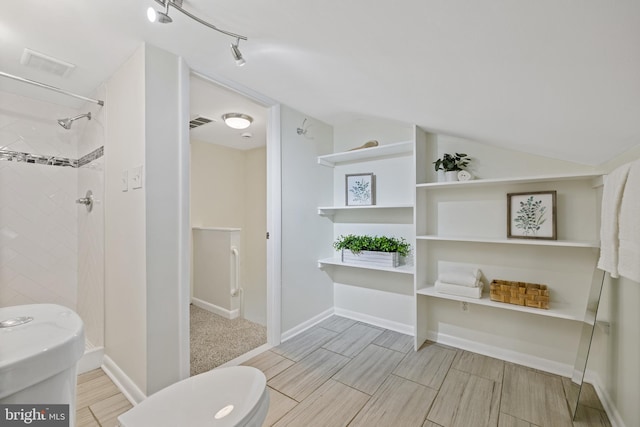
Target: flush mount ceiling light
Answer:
pixel 163 17
pixel 237 120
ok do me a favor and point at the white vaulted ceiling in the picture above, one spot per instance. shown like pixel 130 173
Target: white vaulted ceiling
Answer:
pixel 559 78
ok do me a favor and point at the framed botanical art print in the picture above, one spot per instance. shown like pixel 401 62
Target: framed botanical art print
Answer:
pixel 360 189
pixel 531 215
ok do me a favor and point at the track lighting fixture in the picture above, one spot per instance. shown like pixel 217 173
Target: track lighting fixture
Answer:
pixel 237 55
pixel 237 120
pixel 163 17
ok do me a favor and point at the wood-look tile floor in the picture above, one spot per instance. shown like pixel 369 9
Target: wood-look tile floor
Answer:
pixel 99 402
pixel 346 373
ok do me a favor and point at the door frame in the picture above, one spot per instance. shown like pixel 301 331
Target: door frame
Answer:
pixel 274 215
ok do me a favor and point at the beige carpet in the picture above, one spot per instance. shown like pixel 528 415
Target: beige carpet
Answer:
pixel 216 340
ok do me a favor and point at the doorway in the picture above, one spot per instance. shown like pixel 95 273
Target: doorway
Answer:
pixel 228 205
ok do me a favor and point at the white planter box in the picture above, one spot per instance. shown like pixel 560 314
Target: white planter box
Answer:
pixel 382 259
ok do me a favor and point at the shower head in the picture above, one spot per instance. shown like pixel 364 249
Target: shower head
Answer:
pixel 66 123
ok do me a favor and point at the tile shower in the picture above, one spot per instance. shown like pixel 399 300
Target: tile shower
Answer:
pixel 52 249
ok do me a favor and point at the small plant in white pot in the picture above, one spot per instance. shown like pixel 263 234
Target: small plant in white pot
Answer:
pixel 451 164
pixel 381 251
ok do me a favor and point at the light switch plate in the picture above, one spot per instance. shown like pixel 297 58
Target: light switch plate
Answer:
pixel 136 177
pixel 124 180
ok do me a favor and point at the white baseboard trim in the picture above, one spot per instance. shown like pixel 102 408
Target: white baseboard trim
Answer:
pixel 503 354
pixel 122 381
pixel 306 325
pixel 227 314
pixel 611 410
pixel 90 360
pixel 244 357
pixel 375 321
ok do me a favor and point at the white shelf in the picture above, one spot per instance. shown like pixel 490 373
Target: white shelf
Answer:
pixel 530 242
pixel 556 312
pixel 597 177
pixel 332 210
pixel 405 269
pixel 381 151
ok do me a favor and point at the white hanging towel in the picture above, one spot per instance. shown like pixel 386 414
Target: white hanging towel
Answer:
pixel 614 185
pixel 629 234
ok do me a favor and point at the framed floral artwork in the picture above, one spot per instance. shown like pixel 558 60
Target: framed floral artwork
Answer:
pixel 531 215
pixel 360 189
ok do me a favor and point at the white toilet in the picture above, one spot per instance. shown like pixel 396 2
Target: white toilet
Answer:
pixel 224 397
pixel 40 345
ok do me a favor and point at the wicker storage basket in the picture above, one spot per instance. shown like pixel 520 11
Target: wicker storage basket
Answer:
pixel 520 293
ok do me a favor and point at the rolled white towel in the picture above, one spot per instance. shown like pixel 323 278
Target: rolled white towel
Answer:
pixel 469 277
pixel 461 291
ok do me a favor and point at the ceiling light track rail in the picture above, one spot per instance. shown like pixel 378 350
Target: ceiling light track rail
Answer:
pixel 163 17
pixel 176 4
pixel 53 88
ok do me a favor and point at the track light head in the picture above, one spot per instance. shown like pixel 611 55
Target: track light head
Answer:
pixel 157 16
pixel 237 55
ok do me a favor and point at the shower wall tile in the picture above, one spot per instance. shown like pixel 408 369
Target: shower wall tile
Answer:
pixel 31 126
pixel 38 235
pixel 90 303
pixel 51 249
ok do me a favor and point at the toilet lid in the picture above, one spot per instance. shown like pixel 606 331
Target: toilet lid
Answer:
pixel 37 341
pixel 221 397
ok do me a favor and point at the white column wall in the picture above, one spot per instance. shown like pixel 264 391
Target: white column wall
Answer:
pixel 125 227
pixel 166 143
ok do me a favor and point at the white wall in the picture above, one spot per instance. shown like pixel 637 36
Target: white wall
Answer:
pixel 614 356
pixel 125 228
pixel 306 237
pixel 38 214
pixel 228 189
pixel 217 185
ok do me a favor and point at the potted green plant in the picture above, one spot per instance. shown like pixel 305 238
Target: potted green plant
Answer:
pixel 451 164
pixel 372 250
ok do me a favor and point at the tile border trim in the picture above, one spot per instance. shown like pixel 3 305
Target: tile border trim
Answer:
pixel 38 159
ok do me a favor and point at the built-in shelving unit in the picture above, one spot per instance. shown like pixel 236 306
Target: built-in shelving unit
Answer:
pixel 530 242
pixel 463 224
pixel 332 210
pixel 567 313
pixel 379 152
pixel 377 292
pixel 515 180
pixel 403 269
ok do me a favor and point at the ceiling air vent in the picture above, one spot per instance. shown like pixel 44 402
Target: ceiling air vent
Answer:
pixel 199 121
pixel 46 63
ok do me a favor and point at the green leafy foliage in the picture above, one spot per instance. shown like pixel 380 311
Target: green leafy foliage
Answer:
pixel 530 216
pixel 360 191
pixel 357 244
pixel 452 162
